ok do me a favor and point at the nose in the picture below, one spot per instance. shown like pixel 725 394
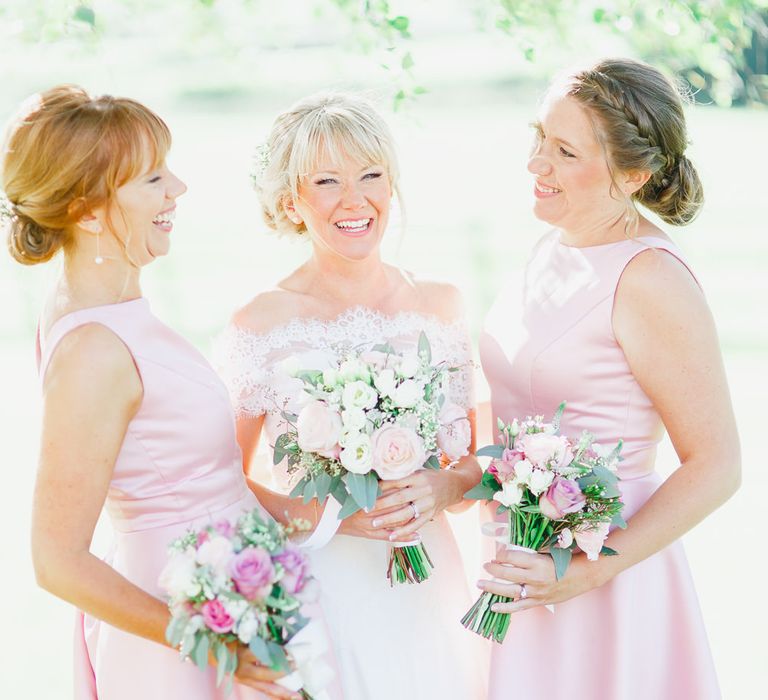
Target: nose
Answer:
pixel 352 196
pixel 176 187
pixel 538 164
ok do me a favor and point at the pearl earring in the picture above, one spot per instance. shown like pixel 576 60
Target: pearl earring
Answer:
pixel 98 259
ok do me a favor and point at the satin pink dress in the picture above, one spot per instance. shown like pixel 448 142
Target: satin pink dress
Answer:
pixel 179 467
pixel 640 636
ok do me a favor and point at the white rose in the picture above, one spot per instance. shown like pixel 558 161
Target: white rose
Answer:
pixel 319 429
pixel 523 470
pixel 291 365
pixel 353 419
pixel 541 448
pixel 235 607
pixel 565 538
pixel 356 456
pixel 247 627
pixel 354 369
pixel 177 576
pixel 510 494
pixel 407 394
pixel 408 367
pixel 397 452
pixel 330 376
pixel 359 395
pixel 540 481
pixel 385 382
pixel 215 552
pixel 455 433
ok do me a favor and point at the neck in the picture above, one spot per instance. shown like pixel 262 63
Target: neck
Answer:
pixel 84 283
pixel 607 229
pixel 346 282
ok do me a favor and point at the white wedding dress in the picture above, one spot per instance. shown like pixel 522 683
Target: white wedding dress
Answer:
pixel 399 643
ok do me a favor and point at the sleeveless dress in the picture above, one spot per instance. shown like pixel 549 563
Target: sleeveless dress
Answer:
pixel 179 467
pixel 641 635
pixel 389 643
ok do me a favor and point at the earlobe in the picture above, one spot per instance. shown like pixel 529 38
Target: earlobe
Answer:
pixel 290 211
pixel 635 180
pixel 90 223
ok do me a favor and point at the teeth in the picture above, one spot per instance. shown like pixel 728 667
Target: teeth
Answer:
pixel 549 190
pixel 359 223
pixel 165 218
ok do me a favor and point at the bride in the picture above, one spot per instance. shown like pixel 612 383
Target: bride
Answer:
pixel 327 174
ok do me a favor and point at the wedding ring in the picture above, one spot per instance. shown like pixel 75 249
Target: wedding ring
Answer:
pixel 523 592
pixel 415 510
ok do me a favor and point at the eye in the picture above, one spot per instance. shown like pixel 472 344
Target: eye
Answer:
pixel 154 179
pixel 566 154
pixel 372 176
pixel 325 181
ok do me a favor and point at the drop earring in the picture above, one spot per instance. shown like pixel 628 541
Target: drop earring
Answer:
pixel 98 259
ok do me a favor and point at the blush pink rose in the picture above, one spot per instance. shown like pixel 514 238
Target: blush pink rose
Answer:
pixel 294 567
pixel 224 527
pixel 540 448
pixel 455 433
pixel 252 572
pixel 216 618
pixel 397 452
pixel 591 541
pixel 562 497
pixel 319 429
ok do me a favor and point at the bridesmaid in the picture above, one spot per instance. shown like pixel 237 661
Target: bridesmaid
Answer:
pixel 133 416
pixel 329 173
pixel 611 319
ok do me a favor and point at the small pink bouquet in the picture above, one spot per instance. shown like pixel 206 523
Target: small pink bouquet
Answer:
pixel 557 495
pixel 243 583
pixel 375 415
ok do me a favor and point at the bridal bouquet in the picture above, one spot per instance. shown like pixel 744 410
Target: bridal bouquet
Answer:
pixel 243 583
pixel 557 495
pixel 375 415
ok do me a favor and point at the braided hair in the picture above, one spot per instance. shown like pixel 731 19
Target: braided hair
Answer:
pixel 638 117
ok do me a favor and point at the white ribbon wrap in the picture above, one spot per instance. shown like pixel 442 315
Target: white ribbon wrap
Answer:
pixel 312 673
pixel 326 528
pixel 500 533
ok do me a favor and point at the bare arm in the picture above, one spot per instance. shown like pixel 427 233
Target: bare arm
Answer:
pixel 666 330
pixel 91 392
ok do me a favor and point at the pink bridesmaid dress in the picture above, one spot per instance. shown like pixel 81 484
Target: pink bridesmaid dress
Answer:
pixel 179 467
pixel 641 635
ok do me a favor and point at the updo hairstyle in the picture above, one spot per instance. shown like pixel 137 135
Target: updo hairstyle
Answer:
pixel 638 118
pixel 340 125
pixel 68 154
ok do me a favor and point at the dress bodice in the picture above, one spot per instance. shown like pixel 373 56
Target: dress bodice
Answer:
pixel 552 340
pixel 179 459
pixel 256 366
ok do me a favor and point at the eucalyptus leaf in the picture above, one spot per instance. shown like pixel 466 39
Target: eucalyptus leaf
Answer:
pixel 309 491
pixel 222 661
pixel 371 490
pixel 260 650
pixel 495 451
pixel 349 507
pixel 608 552
pixel 298 490
pixel 310 376
pixel 425 351
pixel 200 652
pixel 322 485
pixel 357 484
pixel 618 521
pixel 481 492
pixel 432 463
pixel 339 490
pixel 175 630
pixel 561 558
pixel 558 416
pixel 279 657
pixel 386 348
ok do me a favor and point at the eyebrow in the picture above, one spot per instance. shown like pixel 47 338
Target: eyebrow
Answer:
pixel 537 125
pixel 331 171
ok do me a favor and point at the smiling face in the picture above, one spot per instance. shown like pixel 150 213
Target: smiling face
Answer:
pixel 141 216
pixel 345 204
pixel 573 185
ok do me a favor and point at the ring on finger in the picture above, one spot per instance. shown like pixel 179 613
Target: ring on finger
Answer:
pixel 523 592
pixel 415 510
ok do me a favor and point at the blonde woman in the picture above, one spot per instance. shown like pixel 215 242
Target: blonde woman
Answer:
pixel 134 419
pixel 329 175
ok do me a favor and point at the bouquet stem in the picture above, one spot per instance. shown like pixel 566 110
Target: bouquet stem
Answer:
pixel 409 563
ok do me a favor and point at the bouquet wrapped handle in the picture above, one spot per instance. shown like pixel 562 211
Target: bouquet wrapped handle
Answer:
pixel 500 533
pixel 326 528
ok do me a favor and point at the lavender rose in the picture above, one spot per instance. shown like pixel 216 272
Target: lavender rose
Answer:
pixel 252 572
pixel 294 569
pixel 562 497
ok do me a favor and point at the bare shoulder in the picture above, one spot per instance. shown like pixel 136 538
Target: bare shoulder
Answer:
pixel 656 289
pixel 269 309
pixel 94 360
pixel 437 298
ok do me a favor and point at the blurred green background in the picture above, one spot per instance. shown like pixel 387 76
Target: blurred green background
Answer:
pixel 459 83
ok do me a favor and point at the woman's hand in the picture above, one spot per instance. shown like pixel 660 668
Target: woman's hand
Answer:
pixel 361 524
pixel 251 672
pixel 529 579
pixel 408 504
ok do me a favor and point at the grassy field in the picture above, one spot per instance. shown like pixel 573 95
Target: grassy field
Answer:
pixel 463 150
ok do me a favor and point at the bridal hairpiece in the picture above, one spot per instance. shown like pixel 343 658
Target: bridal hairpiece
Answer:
pixel 7 210
pixel 261 158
